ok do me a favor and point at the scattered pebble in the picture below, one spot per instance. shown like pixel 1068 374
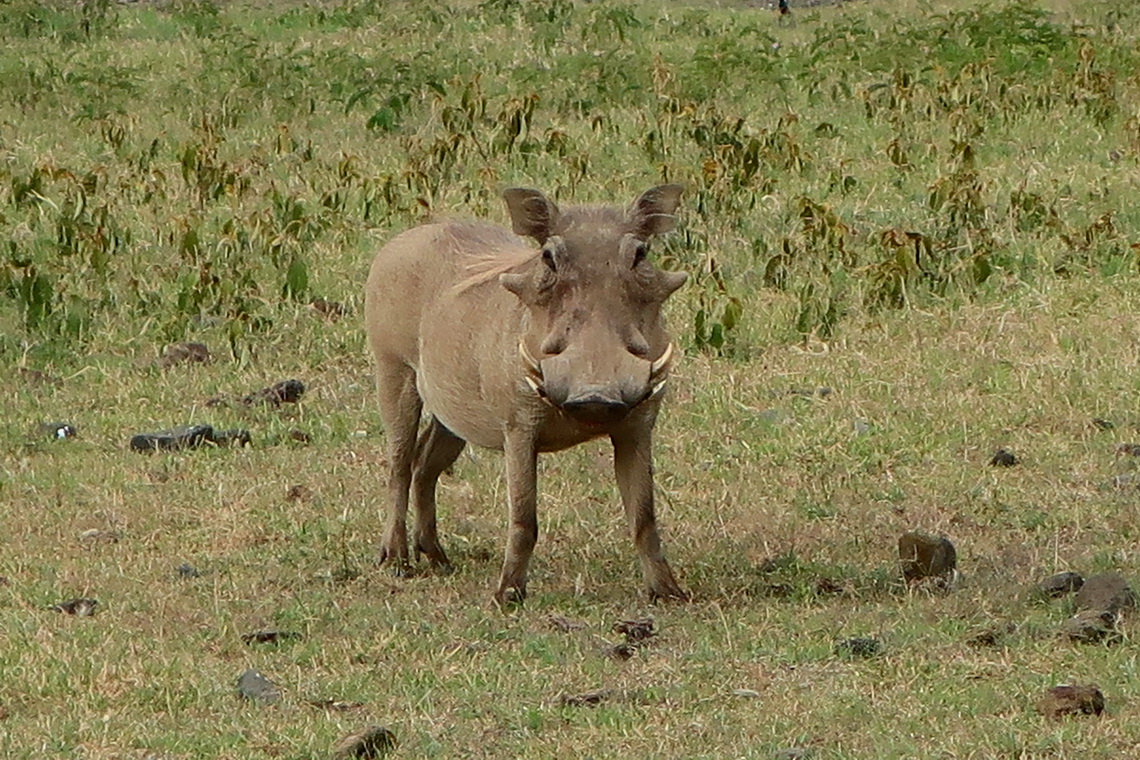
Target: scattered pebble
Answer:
pixel 636 631
pixel 1091 627
pixel 270 636
pixel 924 556
pixel 330 310
pixel 1060 584
pixel 284 392
pixel 256 687
pixel 186 570
pixel 859 648
pixel 81 607
pixel 564 624
pixel 185 353
pixel 991 635
pixel 587 699
pixel 1004 458
pixel 1071 699
pixel 368 744
pixel 1108 591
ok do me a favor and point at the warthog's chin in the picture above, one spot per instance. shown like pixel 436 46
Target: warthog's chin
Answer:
pixel 595 407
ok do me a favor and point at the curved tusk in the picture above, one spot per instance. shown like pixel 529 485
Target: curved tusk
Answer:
pixel 661 363
pixel 531 364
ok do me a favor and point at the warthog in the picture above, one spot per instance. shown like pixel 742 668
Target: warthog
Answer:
pixel 523 349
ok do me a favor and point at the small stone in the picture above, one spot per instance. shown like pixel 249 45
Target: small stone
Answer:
pixel 1056 586
pixel 1108 592
pixel 330 310
pixel 991 635
pixel 368 744
pixel 1091 627
pixel 925 556
pixel 564 624
pixel 175 439
pixel 587 699
pixel 859 648
pixel 636 631
pixel 1004 458
pixel 1102 424
pixel 79 607
pixel 256 687
pixel 284 392
pixel 58 430
pixel 620 652
pixel 298 492
pixel 270 636
pixel 1071 699
pixel 185 353
pixel 227 438
pixel 186 570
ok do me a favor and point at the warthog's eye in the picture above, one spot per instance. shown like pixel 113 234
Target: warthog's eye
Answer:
pixel 639 254
pixel 548 259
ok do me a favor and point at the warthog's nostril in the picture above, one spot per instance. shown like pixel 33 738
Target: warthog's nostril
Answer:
pixel 595 409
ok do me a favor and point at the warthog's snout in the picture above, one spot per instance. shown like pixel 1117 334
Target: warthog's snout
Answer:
pixel 595 408
pixel 557 379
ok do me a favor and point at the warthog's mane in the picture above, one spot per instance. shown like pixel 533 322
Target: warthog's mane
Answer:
pixel 492 251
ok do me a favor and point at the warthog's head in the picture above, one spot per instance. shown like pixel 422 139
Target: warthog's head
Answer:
pixel 596 347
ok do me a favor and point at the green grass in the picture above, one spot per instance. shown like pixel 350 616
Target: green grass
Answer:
pixel 196 171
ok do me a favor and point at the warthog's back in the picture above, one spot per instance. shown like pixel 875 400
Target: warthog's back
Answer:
pixel 433 303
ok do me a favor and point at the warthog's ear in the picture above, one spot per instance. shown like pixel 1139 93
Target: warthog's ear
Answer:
pixel 532 213
pixel 653 213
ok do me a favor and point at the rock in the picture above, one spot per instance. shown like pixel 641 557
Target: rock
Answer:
pixel 58 430
pixel 1004 458
pixel 81 607
pixel 368 744
pixel 186 570
pixel 175 439
pixel 1071 699
pixel 587 699
pixel 330 310
pixel 1091 627
pixel 270 636
pixel 564 624
pixel 620 652
pixel 284 392
pixel 636 631
pixel 235 437
pixel 859 648
pixel 1056 586
pixel 1109 592
pixel 991 635
pixel 1102 424
pixel 185 353
pixel 256 687
pixel 925 556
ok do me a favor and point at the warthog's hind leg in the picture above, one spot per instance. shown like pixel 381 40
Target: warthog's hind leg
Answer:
pixel 436 450
pixel 400 407
pixel 633 468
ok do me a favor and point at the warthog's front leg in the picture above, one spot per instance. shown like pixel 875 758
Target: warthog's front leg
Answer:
pixel 633 468
pixel 522 489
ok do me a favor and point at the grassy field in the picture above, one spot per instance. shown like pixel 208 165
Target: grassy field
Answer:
pixel 928 209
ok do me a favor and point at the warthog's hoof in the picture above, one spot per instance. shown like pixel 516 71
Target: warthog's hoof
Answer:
pixel 510 596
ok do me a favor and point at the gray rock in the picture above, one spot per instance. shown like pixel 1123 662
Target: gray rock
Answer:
pixel 1056 586
pixel 257 688
pixel 924 556
pixel 1091 627
pixel 1108 592
pixel 1071 699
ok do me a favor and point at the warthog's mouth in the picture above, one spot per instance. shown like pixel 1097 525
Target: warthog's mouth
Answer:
pixel 654 387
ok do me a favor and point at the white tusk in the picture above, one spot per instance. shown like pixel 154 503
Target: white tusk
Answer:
pixel 531 363
pixel 662 362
